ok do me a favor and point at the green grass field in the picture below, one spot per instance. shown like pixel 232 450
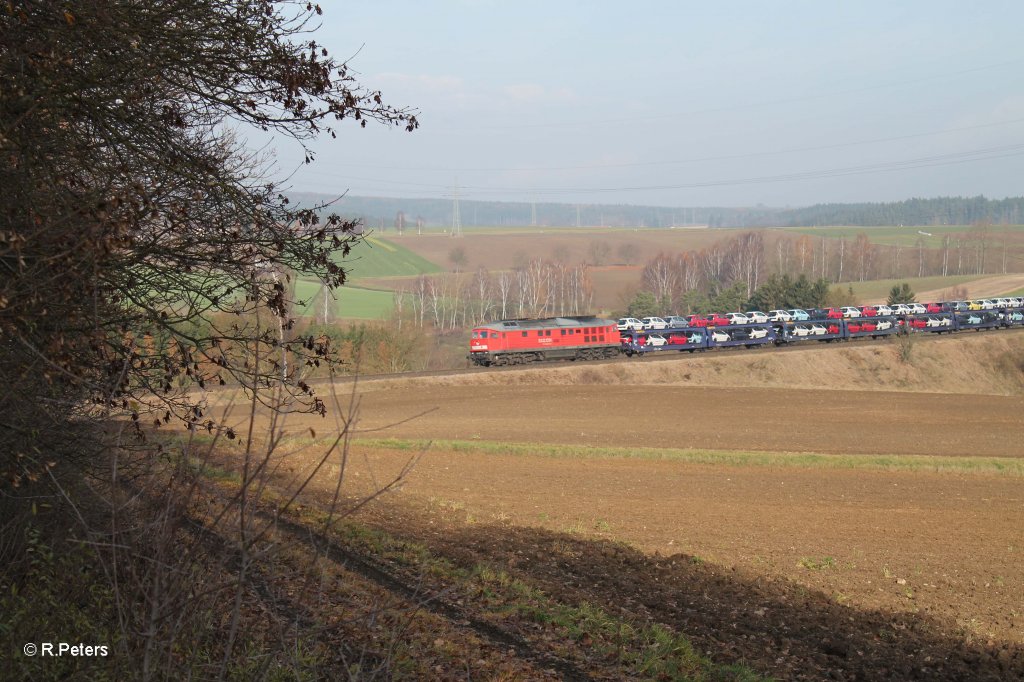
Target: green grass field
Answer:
pixel 376 257
pixel 906 235
pixel 352 303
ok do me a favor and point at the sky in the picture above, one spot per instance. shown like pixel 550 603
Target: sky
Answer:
pixel 677 103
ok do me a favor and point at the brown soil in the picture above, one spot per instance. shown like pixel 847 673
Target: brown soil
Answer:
pixel 841 422
pixel 801 572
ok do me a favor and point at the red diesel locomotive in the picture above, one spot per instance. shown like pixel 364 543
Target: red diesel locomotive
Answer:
pixel 513 342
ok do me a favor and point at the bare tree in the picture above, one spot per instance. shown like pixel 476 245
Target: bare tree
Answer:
pixel 660 277
pixel 714 263
pixel 628 252
pixel 863 254
pixel 130 209
pixel 599 251
pixel 842 257
pixel 945 256
pixel 482 288
pixel 748 256
pixel 505 281
pixel 981 234
pixel 146 257
pixel 803 251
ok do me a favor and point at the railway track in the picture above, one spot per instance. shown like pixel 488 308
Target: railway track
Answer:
pixel 662 356
pixel 319 544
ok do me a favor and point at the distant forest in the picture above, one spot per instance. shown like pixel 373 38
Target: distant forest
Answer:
pixel 388 214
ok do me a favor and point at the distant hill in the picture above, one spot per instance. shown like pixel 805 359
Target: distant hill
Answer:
pixel 383 214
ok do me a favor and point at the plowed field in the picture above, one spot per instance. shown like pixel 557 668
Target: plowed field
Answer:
pixel 872 562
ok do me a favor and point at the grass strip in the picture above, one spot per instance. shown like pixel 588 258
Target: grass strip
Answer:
pixel 637 648
pixel 640 649
pixel 988 465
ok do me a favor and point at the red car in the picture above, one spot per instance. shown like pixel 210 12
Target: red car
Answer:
pixel 915 323
pixel 833 314
pixel 678 338
pixel 868 326
pixel 854 327
pixel 933 308
pixel 717 320
pixel 869 311
pixel 833 328
pixel 697 321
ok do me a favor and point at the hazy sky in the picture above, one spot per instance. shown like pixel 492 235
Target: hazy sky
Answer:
pixel 680 103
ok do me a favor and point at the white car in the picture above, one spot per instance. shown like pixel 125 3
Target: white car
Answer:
pixel 917 308
pixel 902 309
pixel 656 340
pixel 987 304
pixel 720 336
pixel 758 333
pixel 937 322
pixel 818 330
pixel 626 324
pixel 1016 302
pixel 737 318
pixel 1003 303
pixel 883 324
pixel 849 311
pixel 779 316
pixel 802 330
pixel 883 310
pixel 654 323
pixel 756 317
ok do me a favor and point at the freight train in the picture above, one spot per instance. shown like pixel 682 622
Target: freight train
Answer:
pixel 513 342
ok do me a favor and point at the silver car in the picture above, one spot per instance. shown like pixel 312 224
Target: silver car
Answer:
pixel 675 321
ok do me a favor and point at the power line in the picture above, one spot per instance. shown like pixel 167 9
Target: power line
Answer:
pixel 702 159
pixel 984 154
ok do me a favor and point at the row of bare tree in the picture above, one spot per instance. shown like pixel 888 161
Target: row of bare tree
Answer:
pixel 540 288
pixel 546 287
pixel 841 260
pixel 747 259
